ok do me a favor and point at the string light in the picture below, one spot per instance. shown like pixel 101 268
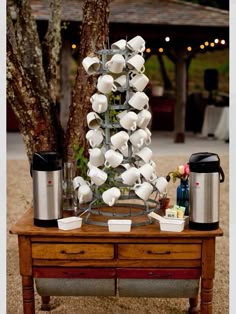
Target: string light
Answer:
pixel 202 46
pixel 73 46
pixel 148 50
pixel 212 44
pixel 167 38
pixel 216 41
pixel 206 43
pixel 222 42
pixel 189 48
pixel 160 50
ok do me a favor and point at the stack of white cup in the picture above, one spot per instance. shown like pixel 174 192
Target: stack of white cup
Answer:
pixel 122 72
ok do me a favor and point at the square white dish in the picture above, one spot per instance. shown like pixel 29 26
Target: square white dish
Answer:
pixel 69 223
pixel 119 225
pixel 172 225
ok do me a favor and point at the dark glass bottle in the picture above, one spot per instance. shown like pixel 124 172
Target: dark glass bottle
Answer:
pixel 182 195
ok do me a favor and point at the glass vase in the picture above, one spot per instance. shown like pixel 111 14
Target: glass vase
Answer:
pixel 182 195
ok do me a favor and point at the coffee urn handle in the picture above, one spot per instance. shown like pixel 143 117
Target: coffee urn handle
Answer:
pixel 222 179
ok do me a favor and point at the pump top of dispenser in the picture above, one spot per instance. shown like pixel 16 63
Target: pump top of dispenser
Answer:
pixel 204 162
pixel 46 161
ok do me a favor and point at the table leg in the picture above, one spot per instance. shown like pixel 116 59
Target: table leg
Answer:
pixel 206 296
pixel 45 303
pixel 28 294
pixel 193 302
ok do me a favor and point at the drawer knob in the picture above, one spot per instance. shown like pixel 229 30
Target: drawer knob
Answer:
pixel 159 253
pixel 80 252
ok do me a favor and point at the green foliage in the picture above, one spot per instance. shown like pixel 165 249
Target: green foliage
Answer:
pixel 81 160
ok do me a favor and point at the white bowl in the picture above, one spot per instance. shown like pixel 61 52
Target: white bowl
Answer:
pixel 69 223
pixel 119 225
pixel 172 225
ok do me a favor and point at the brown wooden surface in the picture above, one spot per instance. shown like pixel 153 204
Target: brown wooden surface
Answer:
pixel 72 251
pixel 159 251
pixel 25 227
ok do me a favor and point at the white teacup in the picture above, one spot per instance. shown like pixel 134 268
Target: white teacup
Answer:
pixel 111 196
pixel 139 81
pixel 95 137
pixel 145 154
pixel 136 44
pixel 93 120
pixel 119 140
pixel 106 84
pixel 116 64
pixel 144 117
pixel 96 157
pixel 113 158
pixel 121 81
pixel 91 65
pixel 139 138
pixel 129 121
pixel 130 176
pixel 99 102
pixel 136 63
pixel 78 181
pixel 139 101
pixel 143 190
pixel 161 184
pixel 85 194
pixel 98 176
pixel 148 172
pixel 119 45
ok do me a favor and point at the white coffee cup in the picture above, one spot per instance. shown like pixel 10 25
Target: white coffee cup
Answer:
pixel 105 84
pixel 119 140
pixel 139 101
pixel 148 172
pixel 119 45
pixel 129 121
pixel 149 135
pixel 145 154
pixel 139 138
pixel 99 102
pixel 130 176
pixel 85 194
pixel 93 120
pixel 96 157
pixel 143 190
pixel 111 196
pixel 139 81
pixel 136 63
pixel 98 176
pixel 161 184
pixel 116 64
pixel 121 81
pixel 144 117
pixel 136 44
pixel 78 181
pixel 113 158
pixel 91 65
pixel 95 137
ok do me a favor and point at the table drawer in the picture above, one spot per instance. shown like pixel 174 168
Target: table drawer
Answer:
pixel 73 251
pixel 159 251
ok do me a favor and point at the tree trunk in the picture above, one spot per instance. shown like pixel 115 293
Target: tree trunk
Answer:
pixel 94 34
pixel 166 80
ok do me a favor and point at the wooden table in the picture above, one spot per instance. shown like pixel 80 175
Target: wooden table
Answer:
pixel 144 254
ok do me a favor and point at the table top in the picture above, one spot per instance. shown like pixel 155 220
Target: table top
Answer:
pixel 25 226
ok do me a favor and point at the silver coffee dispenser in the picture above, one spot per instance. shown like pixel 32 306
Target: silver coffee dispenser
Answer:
pixel 204 190
pixel 46 170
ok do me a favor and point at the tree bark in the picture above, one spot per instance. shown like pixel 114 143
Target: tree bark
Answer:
pixel 94 34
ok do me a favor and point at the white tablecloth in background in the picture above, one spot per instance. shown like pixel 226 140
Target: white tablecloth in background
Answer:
pixel 212 117
pixel 222 128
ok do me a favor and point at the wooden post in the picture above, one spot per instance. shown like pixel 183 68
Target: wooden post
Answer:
pixel 65 97
pixel 180 106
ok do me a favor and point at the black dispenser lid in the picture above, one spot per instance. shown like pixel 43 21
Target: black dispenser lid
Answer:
pixel 46 161
pixel 204 162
